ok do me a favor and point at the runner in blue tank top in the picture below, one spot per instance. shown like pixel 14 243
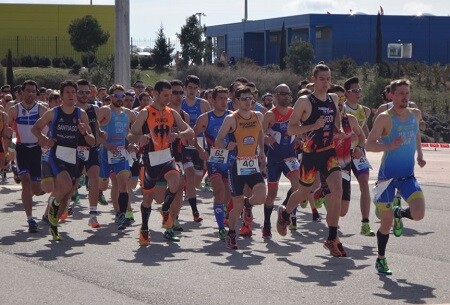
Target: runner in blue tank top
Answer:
pixel 396 133
pixel 218 159
pixel 192 164
pixel 115 121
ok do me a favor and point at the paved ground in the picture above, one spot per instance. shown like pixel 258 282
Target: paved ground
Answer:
pixel 104 266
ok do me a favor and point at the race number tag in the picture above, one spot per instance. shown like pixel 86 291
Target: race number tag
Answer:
pixel 117 156
pixel 159 157
pixel 45 154
pixel 300 157
pixel 247 165
pixel 66 154
pixel 346 175
pixel 180 167
pixel 362 163
pixel 83 152
pixel 218 155
pixel 292 163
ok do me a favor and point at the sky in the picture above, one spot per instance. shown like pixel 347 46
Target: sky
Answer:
pixel 146 16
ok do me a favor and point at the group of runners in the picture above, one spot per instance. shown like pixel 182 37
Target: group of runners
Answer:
pixel 173 139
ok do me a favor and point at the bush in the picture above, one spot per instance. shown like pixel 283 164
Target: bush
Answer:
pixel 87 59
pixel 56 62
pixel 28 61
pixel 2 75
pixel 146 62
pixel 49 78
pixel 134 61
pixel 75 70
pixel 345 67
pixel 44 62
pixel 68 61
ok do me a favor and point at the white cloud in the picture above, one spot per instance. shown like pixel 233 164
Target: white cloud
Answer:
pixel 414 8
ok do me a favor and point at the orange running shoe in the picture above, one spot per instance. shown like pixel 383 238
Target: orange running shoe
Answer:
pixel 64 216
pixel 167 221
pixel 245 230
pixel 282 224
pixel 230 240
pixel 332 246
pixel 144 239
pixel 197 217
pixel 93 222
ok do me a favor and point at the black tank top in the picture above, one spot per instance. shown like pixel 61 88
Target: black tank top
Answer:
pixel 64 128
pixel 323 137
pixel 92 117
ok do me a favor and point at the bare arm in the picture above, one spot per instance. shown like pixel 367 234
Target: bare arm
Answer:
pixel 301 108
pixel 228 124
pixel 205 106
pixel 36 130
pixel 136 129
pixel 268 121
pixel 381 126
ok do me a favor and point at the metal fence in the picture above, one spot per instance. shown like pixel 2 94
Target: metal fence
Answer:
pixel 60 46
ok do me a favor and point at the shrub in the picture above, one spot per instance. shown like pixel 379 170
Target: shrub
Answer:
pixel 87 59
pixel 49 78
pixel 56 62
pixel 2 75
pixel 28 61
pixel 146 62
pixel 345 67
pixel 134 61
pixel 44 62
pixel 75 70
pixel 68 61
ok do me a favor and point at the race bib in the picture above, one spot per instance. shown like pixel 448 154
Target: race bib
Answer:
pixel 292 163
pixel 300 157
pixel 159 157
pixel 362 163
pixel 218 155
pixel 83 152
pixel 117 156
pixel 346 175
pixel 66 154
pixel 247 165
pixel 45 154
pixel 180 167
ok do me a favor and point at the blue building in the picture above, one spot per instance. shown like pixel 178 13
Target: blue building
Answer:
pixel 335 36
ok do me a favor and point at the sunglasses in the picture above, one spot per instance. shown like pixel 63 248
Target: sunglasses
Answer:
pixel 355 90
pixel 284 93
pixel 174 92
pixel 84 91
pixel 246 98
pixel 119 95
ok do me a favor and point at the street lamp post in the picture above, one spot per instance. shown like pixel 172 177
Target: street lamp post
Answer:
pixel 200 17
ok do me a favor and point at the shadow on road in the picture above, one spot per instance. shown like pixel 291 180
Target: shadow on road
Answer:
pixel 402 290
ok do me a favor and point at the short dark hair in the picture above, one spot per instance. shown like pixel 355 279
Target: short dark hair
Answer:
pixel 176 82
pixel 116 87
pixel 142 95
pixel 336 88
pixel 162 84
pixel 241 90
pixel 320 67
pixel 67 83
pixel 217 90
pixel 349 82
pixel 399 82
pixel 53 96
pixel 83 82
pixel 29 82
pixel 191 79
pixel 18 88
pixel 6 87
pixel 138 82
pixel 241 79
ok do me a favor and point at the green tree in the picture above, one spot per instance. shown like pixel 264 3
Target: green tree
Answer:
pixel 162 52
pixel 9 69
pixel 87 35
pixel 300 56
pixel 192 45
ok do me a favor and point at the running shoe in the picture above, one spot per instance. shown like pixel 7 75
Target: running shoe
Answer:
pixel 293 225
pixel 382 267
pixel 144 239
pixel 248 216
pixel 170 235
pixel 82 181
pixel 70 211
pixel 225 221
pixel 167 221
pixel 54 232
pixel 102 199
pixel 282 224
pixel 64 216
pixel 76 197
pixel 245 230
pixel 398 223
pixel 53 214
pixel 45 219
pixel 304 204
pixel 332 246
pixel 4 179
pixel 316 217
pixel 397 202
pixel 32 226
pixel 266 233
pixel 93 223
pixel 122 222
pixel 341 248
pixel 197 217
pixel 222 234
pixel 176 226
pixel 231 241
pixel 366 230
pixel 130 216
pixel 207 185
pixel 319 199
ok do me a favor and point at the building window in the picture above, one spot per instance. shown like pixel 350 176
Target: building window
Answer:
pixel 323 33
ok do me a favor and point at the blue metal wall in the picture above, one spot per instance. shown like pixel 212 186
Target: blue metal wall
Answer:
pixel 346 35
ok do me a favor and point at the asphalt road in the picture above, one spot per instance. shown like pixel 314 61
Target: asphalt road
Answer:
pixel 104 266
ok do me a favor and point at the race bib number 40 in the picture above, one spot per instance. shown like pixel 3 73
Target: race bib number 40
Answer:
pixel 117 156
pixel 247 165
pixel 218 155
